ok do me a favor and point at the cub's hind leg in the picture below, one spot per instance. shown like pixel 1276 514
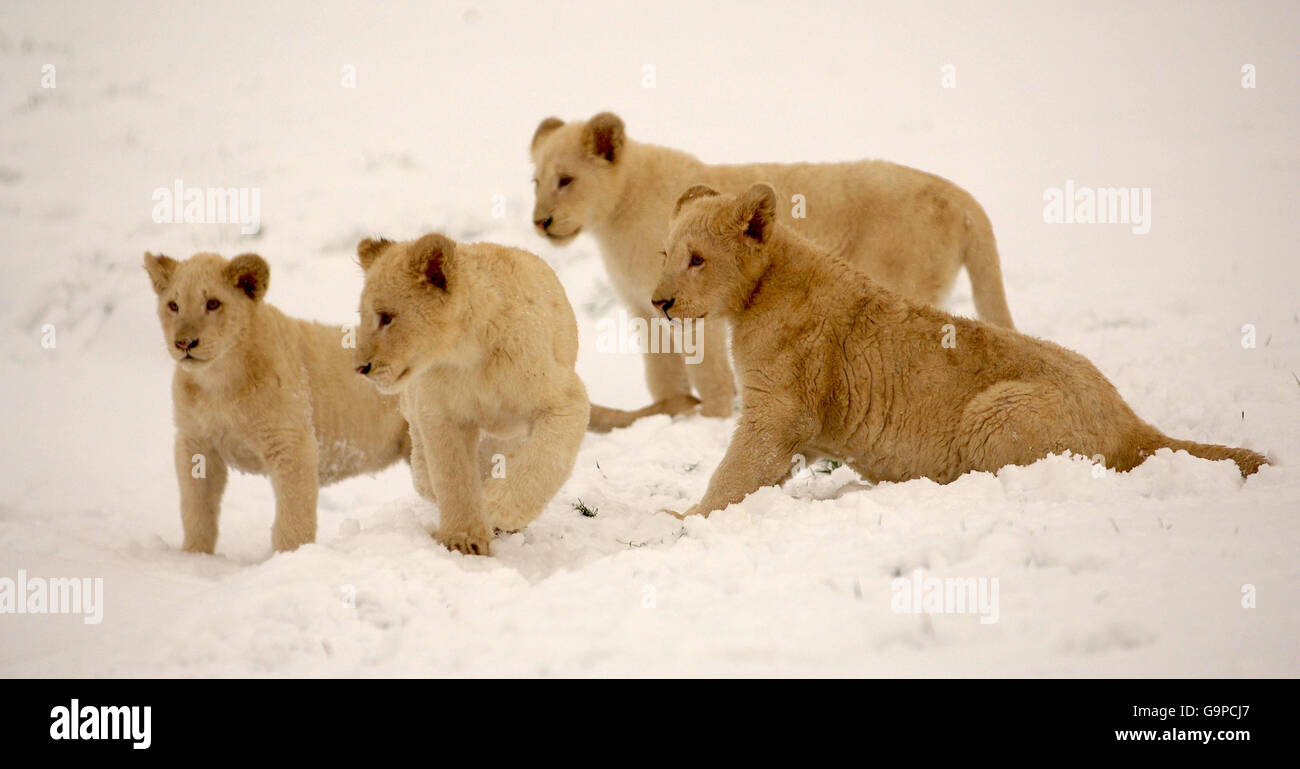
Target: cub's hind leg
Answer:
pixel 1012 423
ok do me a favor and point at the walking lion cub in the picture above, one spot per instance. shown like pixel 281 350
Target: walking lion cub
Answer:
pixel 910 231
pixel 833 363
pixel 479 342
pixel 263 393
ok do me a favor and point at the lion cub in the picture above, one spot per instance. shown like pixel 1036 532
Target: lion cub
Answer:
pixel 263 393
pixel 835 364
pixel 910 231
pixel 480 343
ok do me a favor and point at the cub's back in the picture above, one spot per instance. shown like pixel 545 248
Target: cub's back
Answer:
pixel 344 405
pixel 837 189
pixel 905 227
pixel 529 296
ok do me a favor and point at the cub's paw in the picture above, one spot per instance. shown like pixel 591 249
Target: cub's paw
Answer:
pixel 467 542
pixel 284 541
pixel 201 546
pixel 676 405
pixel 683 516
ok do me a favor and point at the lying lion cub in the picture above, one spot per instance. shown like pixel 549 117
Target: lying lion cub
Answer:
pixel 910 231
pixel 263 393
pixel 833 363
pixel 480 342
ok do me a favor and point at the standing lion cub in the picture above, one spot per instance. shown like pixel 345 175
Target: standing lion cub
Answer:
pixel 263 393
pixel 480 343
pixel 833 363
pixel 910 231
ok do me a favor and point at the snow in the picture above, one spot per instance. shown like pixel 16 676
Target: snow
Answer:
pixel 1099 573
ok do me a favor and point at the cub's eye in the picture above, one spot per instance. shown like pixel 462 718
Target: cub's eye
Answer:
pixel 213 304
pixel 173 306
pixel 384 319
pixel 534 184
pixel 696 260
pixel 564 181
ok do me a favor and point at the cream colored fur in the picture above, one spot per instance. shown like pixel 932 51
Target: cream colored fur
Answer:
pixel 263 393
pixel 480 342
pixel 833 363
pixel 910 231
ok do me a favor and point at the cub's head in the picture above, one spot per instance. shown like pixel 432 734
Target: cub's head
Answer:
pixel 577 174
pixel 205 303
pixel 714 251
pixel 413 309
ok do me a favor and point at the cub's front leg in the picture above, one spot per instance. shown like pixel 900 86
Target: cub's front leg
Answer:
pixel 708 365
pixel 291 459
pixel 451 455
pixel 665 375
pixel 420 466
pixel 760 454
pixel 539 464
pixel 201 472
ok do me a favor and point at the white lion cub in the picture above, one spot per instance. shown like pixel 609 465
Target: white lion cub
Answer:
pixel 480 342
pixel 910 231
pixel 263 393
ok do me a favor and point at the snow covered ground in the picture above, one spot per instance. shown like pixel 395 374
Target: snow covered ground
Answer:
pixel 1137 574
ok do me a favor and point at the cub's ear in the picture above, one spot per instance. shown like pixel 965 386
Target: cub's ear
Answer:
pixel 431 257
pixel 698 191
pixel 757 212
pixel 369 249
pixel 603 136
pixel 249 273
pixel 544 128
pixel 161 269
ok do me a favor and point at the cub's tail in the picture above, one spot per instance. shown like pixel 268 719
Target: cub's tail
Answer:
pixel 604 419
pixel 1247 461
pixel 985 270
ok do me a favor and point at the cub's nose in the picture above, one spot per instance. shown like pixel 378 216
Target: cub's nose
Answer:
pixel 186 344
pixel 664 305
pixel 363 369
pixel 546 223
